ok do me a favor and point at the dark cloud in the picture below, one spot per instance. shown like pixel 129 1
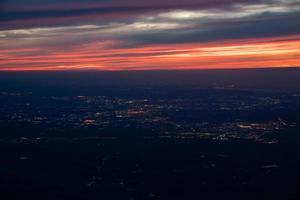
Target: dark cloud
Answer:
pixel 277 25
pixel 37 13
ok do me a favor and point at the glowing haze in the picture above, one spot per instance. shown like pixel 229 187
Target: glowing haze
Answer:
pixel 146 35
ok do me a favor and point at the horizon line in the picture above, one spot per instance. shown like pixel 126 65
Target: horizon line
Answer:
pixel 152 70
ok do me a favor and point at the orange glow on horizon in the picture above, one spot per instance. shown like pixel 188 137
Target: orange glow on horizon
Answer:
pixel 243 53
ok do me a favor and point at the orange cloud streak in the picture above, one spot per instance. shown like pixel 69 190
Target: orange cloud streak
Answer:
pixel 244 53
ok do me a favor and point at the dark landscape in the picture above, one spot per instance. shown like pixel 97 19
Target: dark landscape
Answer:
pixel 206 134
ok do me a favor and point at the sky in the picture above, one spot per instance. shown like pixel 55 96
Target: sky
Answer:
pixel 148 34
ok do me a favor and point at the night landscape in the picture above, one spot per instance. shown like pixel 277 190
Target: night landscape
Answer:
pixel 146 100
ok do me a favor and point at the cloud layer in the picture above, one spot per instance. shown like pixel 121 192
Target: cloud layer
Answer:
pixel 131 34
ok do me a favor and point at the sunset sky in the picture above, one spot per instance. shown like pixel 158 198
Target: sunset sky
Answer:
pixel 148 35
